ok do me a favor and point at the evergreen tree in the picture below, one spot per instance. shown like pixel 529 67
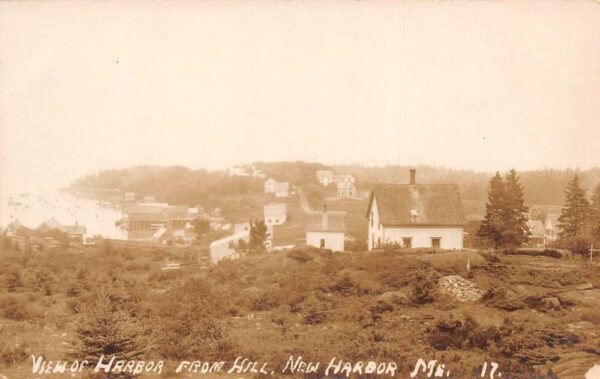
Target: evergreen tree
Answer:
pixel 494 223
pixel 573 216
pixel 594 216
pixel 105 329
pixel 517 231
pixel 258 237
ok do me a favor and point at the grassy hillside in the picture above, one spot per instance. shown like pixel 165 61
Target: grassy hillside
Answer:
pixel 384 306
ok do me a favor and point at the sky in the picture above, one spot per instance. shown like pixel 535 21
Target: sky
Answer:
pixel 483 85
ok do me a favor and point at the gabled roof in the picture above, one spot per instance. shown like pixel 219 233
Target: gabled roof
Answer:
pixel 552 221
pixel 78 230
pixel 325 221
pixel 418 204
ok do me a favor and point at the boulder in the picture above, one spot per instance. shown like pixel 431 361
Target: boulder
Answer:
pixel 584 286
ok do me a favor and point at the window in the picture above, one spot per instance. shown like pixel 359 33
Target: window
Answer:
pixel 378 241
pixel 435 242
pixel 277 221
pixel 371 218
pixel 407 242
pixel 322 243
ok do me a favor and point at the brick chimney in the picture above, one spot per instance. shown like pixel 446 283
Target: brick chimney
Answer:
pixel 413 173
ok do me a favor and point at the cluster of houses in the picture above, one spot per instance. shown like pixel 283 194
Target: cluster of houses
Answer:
pixel 345 183
pixel 411 215
pixel 45 236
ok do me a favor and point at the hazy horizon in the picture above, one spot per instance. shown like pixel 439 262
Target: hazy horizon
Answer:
pixel 481 86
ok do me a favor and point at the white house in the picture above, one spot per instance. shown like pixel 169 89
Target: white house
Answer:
pixel 416 215
pixel 325 230
pixel 552 227
pixel 325 177
pixel 536 232
pixel 282 189
pixel 343 178
pixel 275 214
pixel 346 190
pixel 270 185
pixel 239 171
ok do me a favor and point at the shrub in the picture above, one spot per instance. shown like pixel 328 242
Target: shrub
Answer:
pixel 356 246
pixel 424 290
pixel 11 354
pixel 14 309
pixel 379 309
pixel 578 245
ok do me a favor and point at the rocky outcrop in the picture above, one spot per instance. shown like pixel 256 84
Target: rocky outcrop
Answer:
pixel 459 288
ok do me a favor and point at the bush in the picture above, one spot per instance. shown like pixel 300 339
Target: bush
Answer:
pixel 10 355
pixel 14 309
pixel 356 245
pixel 578 245
pixel 424 290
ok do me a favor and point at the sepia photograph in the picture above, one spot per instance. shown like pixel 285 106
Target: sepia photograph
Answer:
pixel 300 189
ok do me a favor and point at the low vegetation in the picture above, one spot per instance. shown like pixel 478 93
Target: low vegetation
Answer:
pixel 305 302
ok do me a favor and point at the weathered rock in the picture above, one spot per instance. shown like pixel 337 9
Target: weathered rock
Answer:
pixel 460 288
pixel 584 286
pixel 590 298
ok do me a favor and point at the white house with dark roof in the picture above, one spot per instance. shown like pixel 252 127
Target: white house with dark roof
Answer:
pixel 325 230
pixel 416 215
pixel 275 214
pixel 346 190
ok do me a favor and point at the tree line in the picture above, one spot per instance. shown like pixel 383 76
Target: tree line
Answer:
pixel 505 222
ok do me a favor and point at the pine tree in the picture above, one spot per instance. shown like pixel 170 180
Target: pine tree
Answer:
pixel 517 231
pixel 104 329
pixel 594 216
pixel 258 237
pixel 494 224
pixel 573 216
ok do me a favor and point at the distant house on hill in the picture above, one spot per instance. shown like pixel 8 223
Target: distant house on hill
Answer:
pixel 239 171
pixel 552 227
pixel 325 177
pixel 282 189
pixel 275 214
pixel 346 190
pixel 325 230
pixel 537 232
pixel 270 185
pixel 343 178
pixel 416 215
